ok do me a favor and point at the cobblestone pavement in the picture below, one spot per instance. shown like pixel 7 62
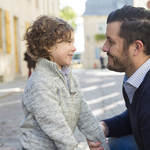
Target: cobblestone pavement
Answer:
pixel 101 88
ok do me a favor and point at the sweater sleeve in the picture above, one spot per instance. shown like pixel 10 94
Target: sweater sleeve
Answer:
pixel 144 118
pixel 119 125
pixel 43 102
pixel 89 125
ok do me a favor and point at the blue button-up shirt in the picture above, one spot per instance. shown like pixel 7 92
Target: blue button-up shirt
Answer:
pixel 131 84
pixel 65 70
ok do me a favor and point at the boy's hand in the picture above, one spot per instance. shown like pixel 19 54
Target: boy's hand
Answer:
pixel 95 146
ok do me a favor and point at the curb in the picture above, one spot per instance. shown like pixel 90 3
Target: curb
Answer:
pixel 5 95
pixel 21 89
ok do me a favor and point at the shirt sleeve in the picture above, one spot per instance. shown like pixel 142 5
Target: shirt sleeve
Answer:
pixel 119 125
pixel 89 125
pixel 43 103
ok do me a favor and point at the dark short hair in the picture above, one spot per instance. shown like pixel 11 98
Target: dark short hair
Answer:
pixel 135 25
pixel 44 33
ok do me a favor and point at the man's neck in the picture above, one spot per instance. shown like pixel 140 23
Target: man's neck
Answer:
pixel 136 65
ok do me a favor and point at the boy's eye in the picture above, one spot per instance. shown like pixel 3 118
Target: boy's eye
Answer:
pixel 69 41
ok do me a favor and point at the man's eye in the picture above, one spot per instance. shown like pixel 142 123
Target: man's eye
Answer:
pixel 111 42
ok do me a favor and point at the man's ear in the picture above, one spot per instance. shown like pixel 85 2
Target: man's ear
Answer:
pixel 138 47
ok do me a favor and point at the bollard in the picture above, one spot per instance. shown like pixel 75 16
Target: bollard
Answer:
pixel 95 65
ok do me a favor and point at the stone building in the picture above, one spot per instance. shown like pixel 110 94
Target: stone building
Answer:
pixel 15 17
pixel 95 17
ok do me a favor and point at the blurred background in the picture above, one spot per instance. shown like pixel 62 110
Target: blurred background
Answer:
pixel 88 17
pixel 101 87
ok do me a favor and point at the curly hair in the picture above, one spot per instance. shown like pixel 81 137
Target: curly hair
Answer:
pixel 44 33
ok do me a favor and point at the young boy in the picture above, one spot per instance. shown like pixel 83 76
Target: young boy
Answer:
pixel 52 100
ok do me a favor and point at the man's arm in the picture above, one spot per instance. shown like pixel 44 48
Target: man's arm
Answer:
pixel 144 120
pixel 119 125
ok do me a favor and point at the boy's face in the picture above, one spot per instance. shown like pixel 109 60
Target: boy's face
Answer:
pixel 63 52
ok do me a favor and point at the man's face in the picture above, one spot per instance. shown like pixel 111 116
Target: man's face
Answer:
pixel 118 57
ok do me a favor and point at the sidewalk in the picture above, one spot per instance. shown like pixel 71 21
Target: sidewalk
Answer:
pixel 17 85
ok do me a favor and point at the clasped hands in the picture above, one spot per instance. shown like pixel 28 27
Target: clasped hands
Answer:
pixel 97 145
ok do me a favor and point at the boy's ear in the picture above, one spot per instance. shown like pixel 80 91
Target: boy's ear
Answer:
pixel 49 49
pixel 138 47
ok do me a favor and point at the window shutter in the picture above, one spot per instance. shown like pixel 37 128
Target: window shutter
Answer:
pixel 1 37
pixel 8 38
pixel 27 25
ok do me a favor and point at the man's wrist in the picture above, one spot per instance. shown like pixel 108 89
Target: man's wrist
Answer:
pixel 105 128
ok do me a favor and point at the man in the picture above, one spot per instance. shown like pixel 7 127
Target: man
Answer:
pixel 128 48
pixel 30 63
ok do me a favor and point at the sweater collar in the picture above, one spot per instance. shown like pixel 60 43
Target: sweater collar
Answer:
pixel 47 65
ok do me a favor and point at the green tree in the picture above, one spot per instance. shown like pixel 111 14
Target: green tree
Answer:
pixel 68 14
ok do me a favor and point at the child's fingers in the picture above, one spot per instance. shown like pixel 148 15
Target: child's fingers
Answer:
pixel 94 145
pixel 98 148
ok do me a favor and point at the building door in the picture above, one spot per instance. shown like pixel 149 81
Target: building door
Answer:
pixel 16 44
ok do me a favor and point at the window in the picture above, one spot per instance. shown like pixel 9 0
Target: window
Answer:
pixel 101 28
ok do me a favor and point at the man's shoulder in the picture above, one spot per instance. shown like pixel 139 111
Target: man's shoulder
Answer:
pixel 146 82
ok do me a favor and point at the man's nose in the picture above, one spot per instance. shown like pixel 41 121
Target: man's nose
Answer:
pixel 105 48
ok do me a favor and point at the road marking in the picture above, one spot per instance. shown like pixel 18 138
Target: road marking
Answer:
pixel 10 103
pixel 98 86
pixel 98 112
pixel 12 90
pixel 97 100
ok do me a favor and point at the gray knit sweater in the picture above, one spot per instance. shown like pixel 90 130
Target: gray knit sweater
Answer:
pixel 53 109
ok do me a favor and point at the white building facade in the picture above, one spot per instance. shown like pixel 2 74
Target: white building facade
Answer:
pixel 15 17
pixel 95 17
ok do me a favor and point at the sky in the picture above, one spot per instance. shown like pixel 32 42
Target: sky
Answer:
pixel 79 8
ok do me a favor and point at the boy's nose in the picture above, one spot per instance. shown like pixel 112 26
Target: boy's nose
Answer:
pixel 74 48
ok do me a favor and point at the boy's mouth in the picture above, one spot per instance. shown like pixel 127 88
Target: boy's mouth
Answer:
pixel 70 55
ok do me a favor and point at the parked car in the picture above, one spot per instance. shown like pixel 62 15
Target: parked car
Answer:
pixel 77 58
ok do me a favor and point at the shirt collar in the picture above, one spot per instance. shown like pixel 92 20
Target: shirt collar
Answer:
pixel 65 70
pixel 137 78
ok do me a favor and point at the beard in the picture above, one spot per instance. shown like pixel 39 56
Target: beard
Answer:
pixel 119 64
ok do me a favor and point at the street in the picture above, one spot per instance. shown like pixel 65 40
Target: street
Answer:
pixel 101 88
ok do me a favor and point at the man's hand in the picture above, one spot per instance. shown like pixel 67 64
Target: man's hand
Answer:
pixel 97 145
